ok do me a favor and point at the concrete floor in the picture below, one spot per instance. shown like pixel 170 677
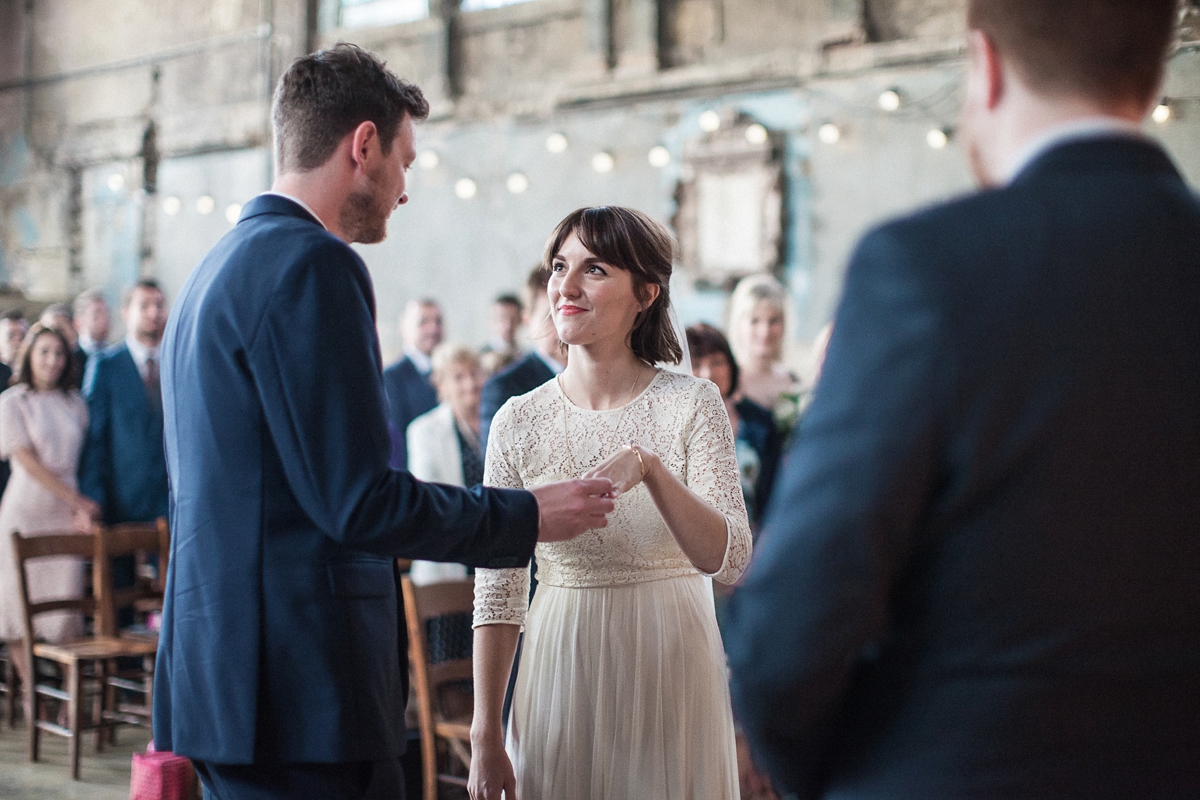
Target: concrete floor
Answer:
pixel 103 777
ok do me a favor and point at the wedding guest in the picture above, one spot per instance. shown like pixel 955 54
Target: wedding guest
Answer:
pixel 61 317
pixel 410 392
pixel 759 442
pixel 123 467
pixel 977 578
pixel 545 360
pixel 92 322
pixel 42 425
pixel 443 444
pixel 12 333
pixel 507 313
pixel 756 332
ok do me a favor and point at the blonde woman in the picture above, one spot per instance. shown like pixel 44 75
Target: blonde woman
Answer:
pixel 756 332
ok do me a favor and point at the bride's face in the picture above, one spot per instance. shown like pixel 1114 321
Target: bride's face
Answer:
pixel 590 300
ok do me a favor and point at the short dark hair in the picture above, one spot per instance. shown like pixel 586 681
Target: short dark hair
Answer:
pixel 326 95
pixel 630 240
pixel 1104 49
pixel 24 371
pixel 13 314
pixel 145 283
pixel 705 340
pixel 509 300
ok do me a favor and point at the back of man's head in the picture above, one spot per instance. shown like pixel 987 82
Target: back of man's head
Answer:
pixel 325 95
pixel 1110 51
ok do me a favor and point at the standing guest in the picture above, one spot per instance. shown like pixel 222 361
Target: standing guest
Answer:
pixel 978 574
pixel 507 313
pixel 410 393
pixel 42 425
pixel 61 317
pixel 282 662
pixel 92 323
pixel 541 364
pixel 123 468
pixel 443 444
pixel 756 331
pixel 12 333
pixel 759 442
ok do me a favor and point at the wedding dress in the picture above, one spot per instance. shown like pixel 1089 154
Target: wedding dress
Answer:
pixel 622 689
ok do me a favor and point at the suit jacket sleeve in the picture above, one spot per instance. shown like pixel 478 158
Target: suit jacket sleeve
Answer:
pixel 844 518
pixel 323 400
pixel 95 462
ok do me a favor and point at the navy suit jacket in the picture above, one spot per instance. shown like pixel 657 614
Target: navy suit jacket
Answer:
pixel 514 380
pixel 282 637
pixel 409 395
pixel 122 466
pixel 978 574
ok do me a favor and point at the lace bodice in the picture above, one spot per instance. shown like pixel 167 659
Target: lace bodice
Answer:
pixel 541 437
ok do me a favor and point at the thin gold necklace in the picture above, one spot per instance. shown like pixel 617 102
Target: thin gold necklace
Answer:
pixel 567 436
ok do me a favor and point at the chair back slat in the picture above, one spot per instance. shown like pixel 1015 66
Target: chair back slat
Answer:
pixel 447 671
pixel 50 545
pixel 150 538
pixel 441 599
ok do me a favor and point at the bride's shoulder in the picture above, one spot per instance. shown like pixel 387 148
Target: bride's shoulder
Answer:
pixel 525 410
pixel 679 387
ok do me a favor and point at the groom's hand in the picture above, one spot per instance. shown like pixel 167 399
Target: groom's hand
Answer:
pixel 569 508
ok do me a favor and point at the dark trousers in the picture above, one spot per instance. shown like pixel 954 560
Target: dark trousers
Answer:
pixel 357 780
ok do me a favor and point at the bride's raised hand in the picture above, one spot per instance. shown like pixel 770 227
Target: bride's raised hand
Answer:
pixel 491 776
pixel 626 468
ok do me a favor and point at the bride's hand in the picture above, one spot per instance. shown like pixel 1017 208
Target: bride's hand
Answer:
pixel 491 774
pixel 626 468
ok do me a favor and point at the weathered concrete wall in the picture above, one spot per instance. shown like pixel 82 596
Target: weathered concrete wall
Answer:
pixel 128 153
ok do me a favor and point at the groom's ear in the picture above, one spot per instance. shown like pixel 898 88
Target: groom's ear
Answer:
pixel 362 140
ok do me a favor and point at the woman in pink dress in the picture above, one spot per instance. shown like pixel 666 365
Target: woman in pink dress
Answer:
pixel 42 427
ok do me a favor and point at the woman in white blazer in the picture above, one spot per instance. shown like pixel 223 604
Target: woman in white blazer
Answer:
pixel 443 444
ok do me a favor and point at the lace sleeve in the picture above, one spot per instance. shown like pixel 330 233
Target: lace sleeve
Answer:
pixel 712 473
pixel 501 595
pixel 14 434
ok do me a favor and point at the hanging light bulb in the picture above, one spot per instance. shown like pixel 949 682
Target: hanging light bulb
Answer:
pixel 205 204
pixel 710 121
pixel 890 100
pixel 232 212
pixel 429 159
pixel 116 182
pixel 603 162
pixel 659 156
pixel 171 205
pixel 1161 113
pixel 556 143
pixel 465 188
pixel 757 134
pixel 517 183
pixel 938 138
pixel 829 133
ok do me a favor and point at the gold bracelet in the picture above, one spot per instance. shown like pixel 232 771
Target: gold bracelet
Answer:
pixel 637 453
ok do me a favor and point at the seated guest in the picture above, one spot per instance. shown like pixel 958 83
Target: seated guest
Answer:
pixel 92 323
pixel 443 444
pixel 542 363
pixel 406 383
pixel 757 437
pixel 42 425
pixel 756 333
pixel 61 317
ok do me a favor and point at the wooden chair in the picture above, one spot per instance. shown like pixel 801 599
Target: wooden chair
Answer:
pixel 141 540
pixel 83 662
pixel 440 719
pixel 9 684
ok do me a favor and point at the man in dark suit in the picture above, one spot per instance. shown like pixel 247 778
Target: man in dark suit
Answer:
pixel 91 320
pixel 122 466
pixel 408 383
pixel 978 574
pixel 539 365
pixel 282 660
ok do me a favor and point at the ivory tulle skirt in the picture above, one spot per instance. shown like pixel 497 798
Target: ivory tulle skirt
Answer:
pixel 622 692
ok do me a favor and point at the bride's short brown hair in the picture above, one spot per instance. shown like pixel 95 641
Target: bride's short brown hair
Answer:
pixel 630 240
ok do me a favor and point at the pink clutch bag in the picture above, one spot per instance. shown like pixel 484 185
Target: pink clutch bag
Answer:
pixel 161 776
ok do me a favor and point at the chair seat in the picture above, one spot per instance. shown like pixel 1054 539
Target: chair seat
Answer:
pixel 97 648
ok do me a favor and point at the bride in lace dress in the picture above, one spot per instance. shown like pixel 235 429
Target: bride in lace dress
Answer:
pixel 621 690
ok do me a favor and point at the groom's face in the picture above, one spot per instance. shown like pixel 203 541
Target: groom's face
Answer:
pixel 382 187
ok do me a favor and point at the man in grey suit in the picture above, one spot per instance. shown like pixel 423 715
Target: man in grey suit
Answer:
pixel 978 575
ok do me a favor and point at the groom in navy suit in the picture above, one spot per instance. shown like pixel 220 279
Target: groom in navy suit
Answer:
pixel 978 575
pixel 282 661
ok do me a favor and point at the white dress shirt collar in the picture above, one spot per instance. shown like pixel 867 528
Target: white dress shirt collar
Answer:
pixel 302 204
pixel 1078 130
pixel 141 353
pixel 89 345
pixel 421 361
